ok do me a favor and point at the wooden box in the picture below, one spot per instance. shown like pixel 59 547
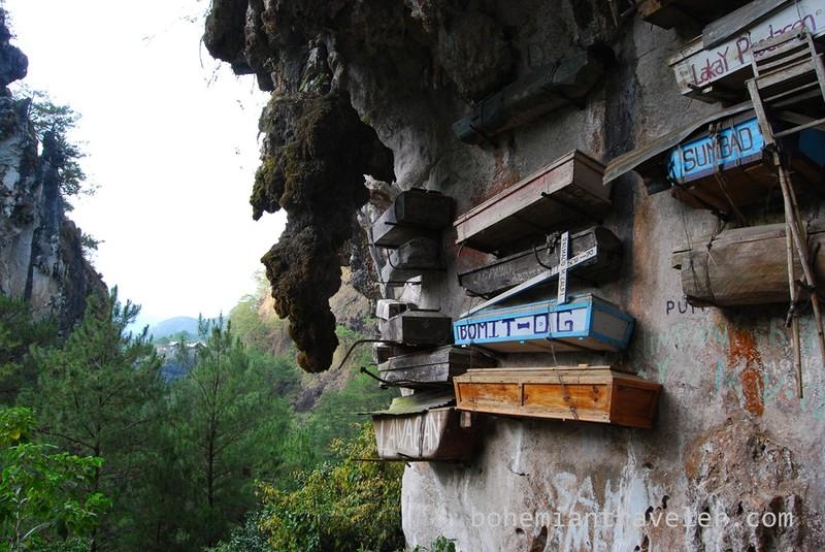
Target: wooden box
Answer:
pixel 418 328
pixel 433 366
pixel 567 193
pixel 744 266
pixel 593 394
pixel 671 13
pixel 387 308
pixel 585 322
pixel 412 259
pixel 382 352
pixel 547 88
pixel 715 66
pixel 420 427
pixel 729 167
pixel 414 213
pixel 505 273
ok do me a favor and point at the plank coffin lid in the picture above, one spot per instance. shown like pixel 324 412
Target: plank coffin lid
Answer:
pixel 585 322
pixel 569 81
pixel 412 259
pixel 744 266
pixel 414 213
pixel 434 366
pixel 566 193
pixel 422 427
pixel 587 394
pixel 502 274
pixel 418 328
pixel 670 13
pixel 715 65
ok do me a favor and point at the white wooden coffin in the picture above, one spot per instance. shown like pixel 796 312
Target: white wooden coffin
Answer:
pixel 585 322
pixel 421 427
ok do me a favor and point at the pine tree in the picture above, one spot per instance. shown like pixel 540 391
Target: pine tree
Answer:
pixel 230 427
pixel 96 396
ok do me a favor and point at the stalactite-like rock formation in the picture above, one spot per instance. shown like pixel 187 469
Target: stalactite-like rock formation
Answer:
pixel 317 152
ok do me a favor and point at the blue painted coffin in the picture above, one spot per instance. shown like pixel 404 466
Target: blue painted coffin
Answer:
pixel 731 147
pixel 584 322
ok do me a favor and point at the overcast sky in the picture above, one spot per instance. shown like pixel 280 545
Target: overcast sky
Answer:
pixel 171 138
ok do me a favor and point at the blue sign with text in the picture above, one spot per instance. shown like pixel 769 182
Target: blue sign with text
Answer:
pixel 728 148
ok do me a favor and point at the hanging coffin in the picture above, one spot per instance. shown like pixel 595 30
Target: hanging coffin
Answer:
pixel 434 366
pixel 567 193
pixel 670 13
pixel 743 266
pixel 604 250
pixel 715 66
pixel 412 259
pixel 421 427
pixel 728 167
pixel 546 89
pixel 587 394
pixel 585 322
pixel 418 328
pixel 382 352
pixel 414 213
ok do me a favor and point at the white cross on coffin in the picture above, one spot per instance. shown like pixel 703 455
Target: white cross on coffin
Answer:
pixel 565 264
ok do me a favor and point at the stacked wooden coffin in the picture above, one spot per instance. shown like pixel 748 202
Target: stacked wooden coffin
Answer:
pixel 411 232
pixel 418 356
pixel 517 226
pixel 423 427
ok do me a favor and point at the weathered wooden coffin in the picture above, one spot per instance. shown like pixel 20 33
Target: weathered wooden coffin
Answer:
pixel 412 259
pixel 433 366
pixel 420 427
pixel 715 170
pixel 544 90
pixel 418 328
pixel 382 352
pixel 715 66
pixel 567 193
pixel 670 13
pixel 414 213
pixel 585 322
pixel 503 274
pixel 387 308
pixel 591 394
pixel 744 266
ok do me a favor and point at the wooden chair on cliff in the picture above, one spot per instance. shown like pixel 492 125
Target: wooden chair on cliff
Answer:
pixel 788 85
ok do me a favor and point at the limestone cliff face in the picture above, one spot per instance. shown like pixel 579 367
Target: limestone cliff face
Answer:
pixel 41 257
pixel 731 441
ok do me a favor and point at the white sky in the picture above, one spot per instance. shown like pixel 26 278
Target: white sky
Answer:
pixel 174 155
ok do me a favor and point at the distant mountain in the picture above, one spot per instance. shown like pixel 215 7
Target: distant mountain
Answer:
pixel 174 326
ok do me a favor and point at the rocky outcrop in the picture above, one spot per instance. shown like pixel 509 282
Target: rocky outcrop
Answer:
pixel 41 256
pixel 316 155
pixel 411 69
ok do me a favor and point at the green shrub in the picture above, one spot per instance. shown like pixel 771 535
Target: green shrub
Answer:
pixel 346 506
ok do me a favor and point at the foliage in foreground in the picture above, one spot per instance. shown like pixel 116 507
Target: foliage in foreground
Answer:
pixel 44 502
pixel 348 505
